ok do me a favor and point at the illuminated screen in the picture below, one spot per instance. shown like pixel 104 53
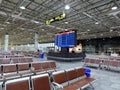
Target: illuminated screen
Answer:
pixel 65 39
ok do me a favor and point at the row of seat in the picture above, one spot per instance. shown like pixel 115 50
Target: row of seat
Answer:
pixel 71 79
pixel 110 58
pixel 10 56
pixel 28 53
pixel 103 57
pixel 11 71
pixel 15 60
pixel 100 63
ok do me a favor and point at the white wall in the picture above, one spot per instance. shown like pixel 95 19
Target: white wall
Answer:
pixel 31 47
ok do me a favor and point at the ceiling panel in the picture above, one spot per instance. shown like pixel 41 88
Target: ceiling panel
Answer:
pixel 22 25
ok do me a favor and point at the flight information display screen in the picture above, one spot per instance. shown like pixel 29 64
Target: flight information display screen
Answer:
pixel 65 39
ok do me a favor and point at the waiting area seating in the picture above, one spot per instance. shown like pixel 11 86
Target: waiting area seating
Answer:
pixel 12 71
pixel 16 60
pixel 18 84
pixel 28 53
pixel 24 69
pixel 37 82
pixel 0 73
pixel 41 82
pixel 10 56
pixel 71 79
pixel 106 63
pixel 9 71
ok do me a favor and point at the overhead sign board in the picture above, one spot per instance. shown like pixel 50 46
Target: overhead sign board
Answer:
pixel 65 39
pixel 57 18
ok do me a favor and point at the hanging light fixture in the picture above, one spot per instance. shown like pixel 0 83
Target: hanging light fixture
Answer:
pixel 67 7
pixel 114 8
pixel 22 7
pixel 96 22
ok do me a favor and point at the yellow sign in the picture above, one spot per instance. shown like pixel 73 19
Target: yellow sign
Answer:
pixel 40 40
pixel 57 18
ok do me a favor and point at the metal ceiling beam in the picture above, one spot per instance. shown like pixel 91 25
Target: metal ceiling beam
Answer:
pixel 12 15
pixel 94 18
pixel 116 3
pixel 88 15
pixel 116 27
pixel 75 17
pixel 18 4
pixel 91 7
pixel 17 17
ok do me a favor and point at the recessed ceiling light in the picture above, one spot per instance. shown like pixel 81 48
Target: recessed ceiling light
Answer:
pixel 96 22
pixel 88 30
pixel 67 7
pixel 58 28
pixel 35 21
pixel 66 29
pixel 22 28
pixel 1 28
pixel 22 7
pixel 114 8
pixel 43 29
pixel 111 30
pixel 66 22
pixel 7 22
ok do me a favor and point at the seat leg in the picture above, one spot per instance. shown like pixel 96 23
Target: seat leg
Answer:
pixel 80 89
pixel 91 86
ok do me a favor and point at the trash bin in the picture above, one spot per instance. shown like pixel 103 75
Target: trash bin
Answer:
pixel 42 55
pixel 87 72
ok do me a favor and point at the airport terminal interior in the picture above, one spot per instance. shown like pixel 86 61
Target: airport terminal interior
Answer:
pixel 59 44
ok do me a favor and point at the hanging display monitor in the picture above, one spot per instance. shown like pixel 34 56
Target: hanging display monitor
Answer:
pixel 66 38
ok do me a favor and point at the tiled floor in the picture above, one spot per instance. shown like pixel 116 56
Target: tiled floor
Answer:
pixel 105 80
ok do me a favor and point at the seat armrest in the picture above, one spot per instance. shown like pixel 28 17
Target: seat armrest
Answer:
pixel 32 69
pixel 58 86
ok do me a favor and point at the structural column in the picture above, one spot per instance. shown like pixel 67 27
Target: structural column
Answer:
pixel 36 40
pixel 0 1
pixel 6 42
